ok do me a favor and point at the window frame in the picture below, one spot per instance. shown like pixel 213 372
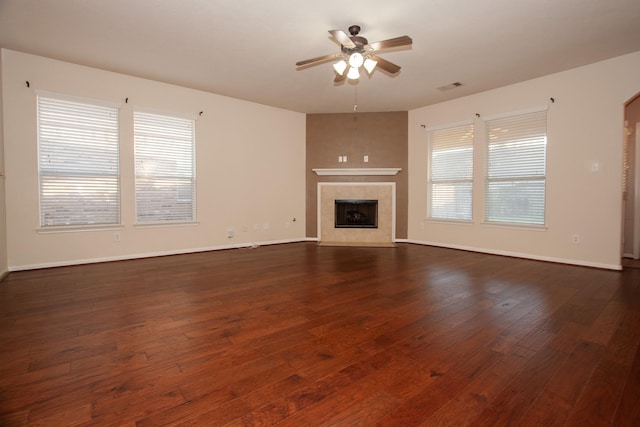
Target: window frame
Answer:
pixel 170 174
pixel 452 131
pixel 69 161
pixel 527 152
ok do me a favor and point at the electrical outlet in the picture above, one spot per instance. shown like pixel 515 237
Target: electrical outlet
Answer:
pixel 265 226
pixel 576 239
pixel 230 233
pixel 116 237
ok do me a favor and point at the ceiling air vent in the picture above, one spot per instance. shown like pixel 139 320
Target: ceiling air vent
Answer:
pixel 450 86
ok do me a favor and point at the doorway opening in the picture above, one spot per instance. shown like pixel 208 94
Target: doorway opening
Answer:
pixel 631 180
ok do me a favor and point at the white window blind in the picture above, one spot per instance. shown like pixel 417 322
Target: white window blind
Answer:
pixel 451 173
pixel 78 163
pixel 165 168
pixel 516 169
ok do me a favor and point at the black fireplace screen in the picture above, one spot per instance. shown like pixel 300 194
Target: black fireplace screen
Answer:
pixel 356 213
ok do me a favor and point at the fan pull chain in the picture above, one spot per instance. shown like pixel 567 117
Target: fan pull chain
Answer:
pixel 355 102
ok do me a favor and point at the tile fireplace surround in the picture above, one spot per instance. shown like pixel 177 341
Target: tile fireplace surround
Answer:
pixel 384 235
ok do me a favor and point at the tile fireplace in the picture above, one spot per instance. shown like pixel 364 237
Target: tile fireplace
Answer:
pixel 356 213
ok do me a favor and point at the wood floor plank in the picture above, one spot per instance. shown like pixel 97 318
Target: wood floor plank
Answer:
pixel 599 399
pixel 628 411
pixel 603 392
pixel 480 392
pixel 512 404
pixel 297 334
pixel 558 398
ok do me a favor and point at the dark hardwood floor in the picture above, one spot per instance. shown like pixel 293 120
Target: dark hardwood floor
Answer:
pixel 300 335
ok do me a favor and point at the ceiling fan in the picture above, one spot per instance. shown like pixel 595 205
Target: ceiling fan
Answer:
pixel 355 52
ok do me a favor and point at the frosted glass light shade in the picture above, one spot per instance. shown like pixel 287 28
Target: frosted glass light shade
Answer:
pixel 340 67
pixel 356 59
pixel 353 73
pixel 370 65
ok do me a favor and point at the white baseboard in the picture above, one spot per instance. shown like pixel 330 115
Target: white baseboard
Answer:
pixel 521 255
pixel 307 239
pixel 150 255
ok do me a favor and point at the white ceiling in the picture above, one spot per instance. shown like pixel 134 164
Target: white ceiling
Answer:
pixel 247 49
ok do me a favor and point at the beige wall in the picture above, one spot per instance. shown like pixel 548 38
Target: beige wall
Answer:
pixel 253 165
pixel 250 167
pixel 584 165
pixel 381 136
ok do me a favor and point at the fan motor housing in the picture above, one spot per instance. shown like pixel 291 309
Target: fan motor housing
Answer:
pixel 359 41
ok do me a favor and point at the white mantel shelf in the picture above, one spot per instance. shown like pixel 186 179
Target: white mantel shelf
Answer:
pixel 357 171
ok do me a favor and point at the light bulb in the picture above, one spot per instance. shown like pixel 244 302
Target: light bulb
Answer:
pixel 340 67
pixel 369 65
pixel 353 73
pixel 356 59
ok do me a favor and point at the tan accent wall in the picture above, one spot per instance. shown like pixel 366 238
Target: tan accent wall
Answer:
pixel 383 137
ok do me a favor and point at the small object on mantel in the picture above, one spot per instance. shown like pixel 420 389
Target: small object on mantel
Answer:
pixel 357 171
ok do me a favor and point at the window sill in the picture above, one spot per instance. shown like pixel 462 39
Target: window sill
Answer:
pixel 448 221
pixel 166 224
pixel 514 226
pixel 77 228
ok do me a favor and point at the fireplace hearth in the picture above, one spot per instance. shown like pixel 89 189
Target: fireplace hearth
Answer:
pixel 356 214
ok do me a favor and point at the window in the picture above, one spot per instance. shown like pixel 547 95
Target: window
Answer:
pixel 165 172
pixel 516 169
pixel 451 173
pixel 78 163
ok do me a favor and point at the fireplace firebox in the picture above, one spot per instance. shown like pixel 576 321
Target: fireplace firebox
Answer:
pixel 356 214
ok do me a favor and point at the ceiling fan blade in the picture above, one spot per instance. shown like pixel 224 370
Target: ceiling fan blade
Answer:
pixel 318 59
pixel 395 42
pixel 387 66
pixel 343 38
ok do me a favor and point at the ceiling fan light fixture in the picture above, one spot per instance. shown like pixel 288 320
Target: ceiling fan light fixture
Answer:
pixel 370 65
pixel 355 52
pixel 356 60
pixel 353 73
pixel 340 67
